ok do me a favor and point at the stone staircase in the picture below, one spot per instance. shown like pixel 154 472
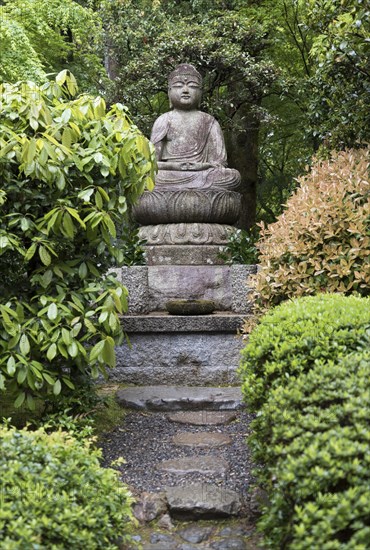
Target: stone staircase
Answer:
pixel 198 467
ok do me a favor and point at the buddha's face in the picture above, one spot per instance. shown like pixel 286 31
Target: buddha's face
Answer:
pixel 184 93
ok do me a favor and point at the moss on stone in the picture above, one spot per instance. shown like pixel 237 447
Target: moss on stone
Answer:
pixel 190 307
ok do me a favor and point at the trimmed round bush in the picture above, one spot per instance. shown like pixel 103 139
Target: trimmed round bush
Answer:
pixel 321 242
pixel 292 337
pixel 55 495
pixel 306 373
pixel 314 439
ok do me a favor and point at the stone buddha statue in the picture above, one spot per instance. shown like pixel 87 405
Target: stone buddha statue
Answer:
pixel 195 198
pixel 189 143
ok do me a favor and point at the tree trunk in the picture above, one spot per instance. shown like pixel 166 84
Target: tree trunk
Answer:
pixel 242 152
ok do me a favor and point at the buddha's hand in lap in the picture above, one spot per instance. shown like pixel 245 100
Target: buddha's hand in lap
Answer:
pixel 186 166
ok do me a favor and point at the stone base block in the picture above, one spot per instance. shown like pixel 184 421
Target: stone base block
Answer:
pixel 150 287
pixel 203 254
pixel 191 359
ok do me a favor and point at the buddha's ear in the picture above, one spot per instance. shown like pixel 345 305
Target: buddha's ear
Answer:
pixel 170 104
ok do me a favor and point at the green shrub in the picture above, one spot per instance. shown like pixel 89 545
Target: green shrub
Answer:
pixel 241 247
pixel 306 373
pixel 321 242
pixel 314 437
pixel 292 337
pixel 55 495
pixel 69 169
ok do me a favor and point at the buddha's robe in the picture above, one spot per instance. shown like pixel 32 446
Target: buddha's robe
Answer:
pixel 200 141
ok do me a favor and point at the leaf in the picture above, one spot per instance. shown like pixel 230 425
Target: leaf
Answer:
pixel 20 400
pixel 67 137
pixel 96 350
pixel 51 353
pixel 75 215
pixel 68 225
pixel 10 366
pixel 66 337
pixel 98 200
pixel 109 355
pixel 30 252
pixel 47 278
pixel 52 311
pixel 73 349
pixel 57 387
pixel 24 344
pixel 44 255
pixel 61 77
pixel 31 403
pixel 68 382
pixel 85 195
pixel 90 326
pixel 110 225
pixel 31 151
pixel 22 375
pixel 48 378
pixel 82 270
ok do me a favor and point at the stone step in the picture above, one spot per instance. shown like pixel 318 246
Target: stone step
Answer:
pixel 201 440
pixel 202 418
pixel 161 321
pixel 202 501
pixel 175 398
pixel 211 465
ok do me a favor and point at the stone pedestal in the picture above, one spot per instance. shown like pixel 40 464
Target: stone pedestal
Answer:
pixel 184 231
pixel 180 350
pixel 186 227
pixel 150 287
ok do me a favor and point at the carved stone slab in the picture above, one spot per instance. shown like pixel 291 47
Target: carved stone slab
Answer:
pixel 185 233
pixel 190 205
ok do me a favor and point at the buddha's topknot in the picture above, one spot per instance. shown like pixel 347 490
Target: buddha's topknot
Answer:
pixel 185 69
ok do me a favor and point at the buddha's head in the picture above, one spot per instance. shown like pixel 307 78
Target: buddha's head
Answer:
pixel 185 88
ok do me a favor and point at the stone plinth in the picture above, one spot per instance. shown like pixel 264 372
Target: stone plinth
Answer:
pixel 150 287
pixel 182 350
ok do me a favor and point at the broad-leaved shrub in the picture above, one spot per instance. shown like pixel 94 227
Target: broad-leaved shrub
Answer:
pixel 69 169
pixel 306 373
pixel 314 436
pixel 321 242
pixel 54 494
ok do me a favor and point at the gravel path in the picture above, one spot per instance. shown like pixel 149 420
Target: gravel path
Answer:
pixel 145 439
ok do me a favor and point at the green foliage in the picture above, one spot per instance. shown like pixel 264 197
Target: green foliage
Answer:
pixel 306 373
pixel 285 145
pixel 69 170
pixel 321 243
pixel 293 336
pixel 241 247
pixel 132 246
pixel 338 106
pixel 56 495
pixel 43 36
pixel 223 46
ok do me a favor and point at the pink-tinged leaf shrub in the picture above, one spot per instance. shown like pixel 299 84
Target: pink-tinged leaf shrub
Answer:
pixel 321 243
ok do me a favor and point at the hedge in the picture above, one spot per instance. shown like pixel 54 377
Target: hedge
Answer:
pixel 312 397
pixel 55 495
